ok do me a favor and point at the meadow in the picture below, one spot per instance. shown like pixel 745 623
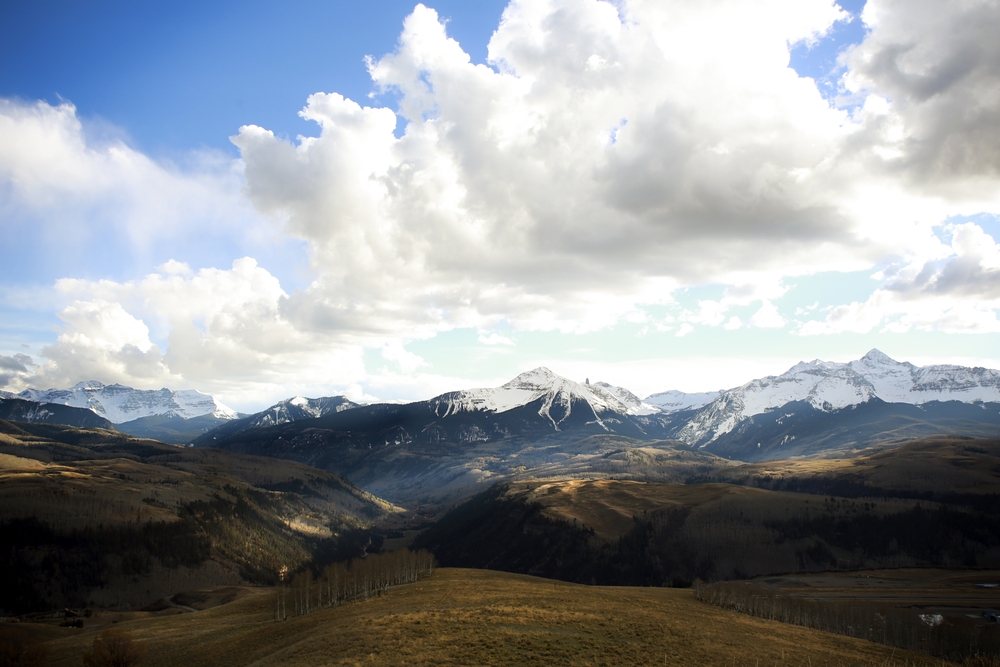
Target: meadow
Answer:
pixel 475 617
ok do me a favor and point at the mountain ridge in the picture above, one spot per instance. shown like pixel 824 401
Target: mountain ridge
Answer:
pixel 119 404
pixel 829 386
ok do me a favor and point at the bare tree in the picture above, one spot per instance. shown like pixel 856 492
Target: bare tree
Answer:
pixel 17 652
pixel 114 648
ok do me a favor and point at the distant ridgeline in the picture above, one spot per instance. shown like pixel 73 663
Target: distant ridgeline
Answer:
pixel 446 448
pixel 812 408
pixel 928 503
pixel 169 416
pixel 175 417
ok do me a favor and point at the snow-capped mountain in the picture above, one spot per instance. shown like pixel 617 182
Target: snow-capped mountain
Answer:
pixel 299 407
pixel 284 412
pixel 119 404
pixel 558 397
pixel 672 401
pixel 829 386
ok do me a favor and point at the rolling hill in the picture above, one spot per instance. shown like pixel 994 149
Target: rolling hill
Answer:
pixel 929 503
pixel 94 517
pixel 468 617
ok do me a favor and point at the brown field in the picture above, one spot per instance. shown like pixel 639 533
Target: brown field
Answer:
pixel 475 617
pixel 945 592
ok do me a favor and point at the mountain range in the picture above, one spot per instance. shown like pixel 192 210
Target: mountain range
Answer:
pixel 429 451
pixel 120 404
pixel 829 387
pixel 540 420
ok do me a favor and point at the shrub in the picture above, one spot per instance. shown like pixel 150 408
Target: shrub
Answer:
pixel 114 648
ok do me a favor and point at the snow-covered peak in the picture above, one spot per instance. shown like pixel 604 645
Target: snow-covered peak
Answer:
pixel 118 403
pixel 633 404
pixel 89 385
pixel 814 366
pixel 539 384
pixel 675 401
pixel 537 379
pixel 876 357
pixel 299 407
pixel 831 386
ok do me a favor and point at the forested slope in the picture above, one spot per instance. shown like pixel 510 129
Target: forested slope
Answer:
pixel 92 517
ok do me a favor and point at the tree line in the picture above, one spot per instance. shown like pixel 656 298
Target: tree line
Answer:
pixel 952 638
pixel 356 579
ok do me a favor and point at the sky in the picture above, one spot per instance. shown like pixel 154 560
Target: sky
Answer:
pixel 391 200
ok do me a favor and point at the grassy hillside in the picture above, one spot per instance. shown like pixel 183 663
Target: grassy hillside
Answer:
pixel 96 518
pixel 465 617
pixel 640 533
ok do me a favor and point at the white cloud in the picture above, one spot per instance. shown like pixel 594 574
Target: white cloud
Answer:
pixel 68 199
pixel 406 361
pixel 939 64
pixel 506 197
pixel 767 317
pixel 493 338
pixel 959 293
pixel 225 332
pixel 609 155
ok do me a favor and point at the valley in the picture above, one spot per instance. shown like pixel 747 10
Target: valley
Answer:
pixel 543 485
pixel 96 518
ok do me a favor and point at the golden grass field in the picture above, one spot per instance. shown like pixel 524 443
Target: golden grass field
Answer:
pixel 947 592
pixel 477 617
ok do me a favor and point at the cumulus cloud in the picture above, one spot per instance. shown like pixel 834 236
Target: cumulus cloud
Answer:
pixel 939 64
pixel 959 293
pixel 14 368
pixel 610 154
pixel 223 329
pixel 607 155
pixel 767 317
pixel 494 338
pixel 66 197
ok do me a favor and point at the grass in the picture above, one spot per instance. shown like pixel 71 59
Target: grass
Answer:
pixel 477 617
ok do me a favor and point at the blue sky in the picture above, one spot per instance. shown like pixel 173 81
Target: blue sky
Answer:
pixel 766 193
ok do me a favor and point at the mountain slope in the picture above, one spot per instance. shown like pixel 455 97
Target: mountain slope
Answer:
pixel 289 410
pixel 829 387
pixel 539 423
pixel 557 398
pixel 171 428
pixel 92 517
pixel 16 409
pixel 897 508
pixel 676 401
pixel 800 429
pixel 443 448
